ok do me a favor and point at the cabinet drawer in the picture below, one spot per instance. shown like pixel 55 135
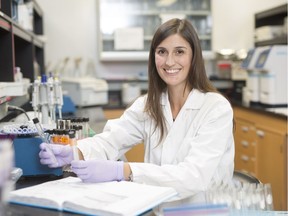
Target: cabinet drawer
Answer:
pixel 246 147
pixel 246 163
pixel 245 130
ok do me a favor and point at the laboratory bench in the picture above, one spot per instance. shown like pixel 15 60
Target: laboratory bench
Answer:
pixel 268 158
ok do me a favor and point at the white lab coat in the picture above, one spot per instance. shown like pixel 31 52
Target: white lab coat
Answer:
pixel 197 151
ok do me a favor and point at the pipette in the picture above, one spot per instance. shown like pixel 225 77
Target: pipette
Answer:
pixel 44 138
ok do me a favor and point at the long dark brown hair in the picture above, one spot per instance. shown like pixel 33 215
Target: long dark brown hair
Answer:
pixel 196 79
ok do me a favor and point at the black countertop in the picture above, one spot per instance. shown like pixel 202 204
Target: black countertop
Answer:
pixel 272 111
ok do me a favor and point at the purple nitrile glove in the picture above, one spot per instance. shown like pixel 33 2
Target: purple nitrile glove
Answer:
pixel 55 155
pixel 97 170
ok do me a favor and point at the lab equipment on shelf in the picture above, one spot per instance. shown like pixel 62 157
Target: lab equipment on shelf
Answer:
pixel 130 91
pixel 86 91
pixel 253 80
pixel 272 65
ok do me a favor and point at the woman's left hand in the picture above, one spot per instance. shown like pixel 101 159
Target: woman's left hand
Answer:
pixel 98 170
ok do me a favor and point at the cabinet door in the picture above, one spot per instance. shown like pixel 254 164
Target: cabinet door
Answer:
pixel 270 160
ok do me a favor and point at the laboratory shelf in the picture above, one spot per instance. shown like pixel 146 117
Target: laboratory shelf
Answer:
pixel 20 33
pixel 37 42
pixel 37 9
pixel 4 24
pixel 275 41
pixel 146 16
pixel 19 45
pixel 273 17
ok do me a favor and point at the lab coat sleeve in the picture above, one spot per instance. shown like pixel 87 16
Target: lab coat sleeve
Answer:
pixel 118 135
pixel 210 157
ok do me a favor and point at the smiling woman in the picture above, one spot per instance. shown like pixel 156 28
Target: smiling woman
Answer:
pixel 183 122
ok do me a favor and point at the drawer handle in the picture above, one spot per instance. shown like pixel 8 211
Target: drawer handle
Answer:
pixel 245 158
pixel 245 129
pixel 245 143
pixel 260 133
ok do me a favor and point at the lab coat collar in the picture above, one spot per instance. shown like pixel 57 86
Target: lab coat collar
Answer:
pixel 194 101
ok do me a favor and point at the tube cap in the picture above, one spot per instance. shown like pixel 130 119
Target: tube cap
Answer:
pixel 71 134
pixel 35 120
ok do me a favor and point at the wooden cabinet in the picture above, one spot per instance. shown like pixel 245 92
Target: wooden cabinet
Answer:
pixel 261 149
pixel 113 113
pixel 19 46
pixel 136 154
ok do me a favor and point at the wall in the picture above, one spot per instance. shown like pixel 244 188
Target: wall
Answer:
pixel 70 27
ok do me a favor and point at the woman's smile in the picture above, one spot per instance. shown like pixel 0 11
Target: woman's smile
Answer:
pixel 172 71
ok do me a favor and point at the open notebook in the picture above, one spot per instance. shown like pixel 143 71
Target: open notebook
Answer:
pixel 109 198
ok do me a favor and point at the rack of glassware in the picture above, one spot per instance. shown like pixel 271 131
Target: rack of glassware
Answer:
pixel 239 196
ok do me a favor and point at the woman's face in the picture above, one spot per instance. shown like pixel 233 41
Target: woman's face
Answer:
pixel 173 59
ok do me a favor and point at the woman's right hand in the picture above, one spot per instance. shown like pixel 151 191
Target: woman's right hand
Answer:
pixel 55 155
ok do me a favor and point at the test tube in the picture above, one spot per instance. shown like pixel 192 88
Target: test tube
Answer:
pixel 44 138
pixel 40 130
pixel 86 127
pixel 60 124
pixel 73 144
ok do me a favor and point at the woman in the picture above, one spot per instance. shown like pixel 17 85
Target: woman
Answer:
pixel 185 125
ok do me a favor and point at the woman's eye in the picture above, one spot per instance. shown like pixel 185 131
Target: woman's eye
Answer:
pixel 179 52
pixel 161 52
